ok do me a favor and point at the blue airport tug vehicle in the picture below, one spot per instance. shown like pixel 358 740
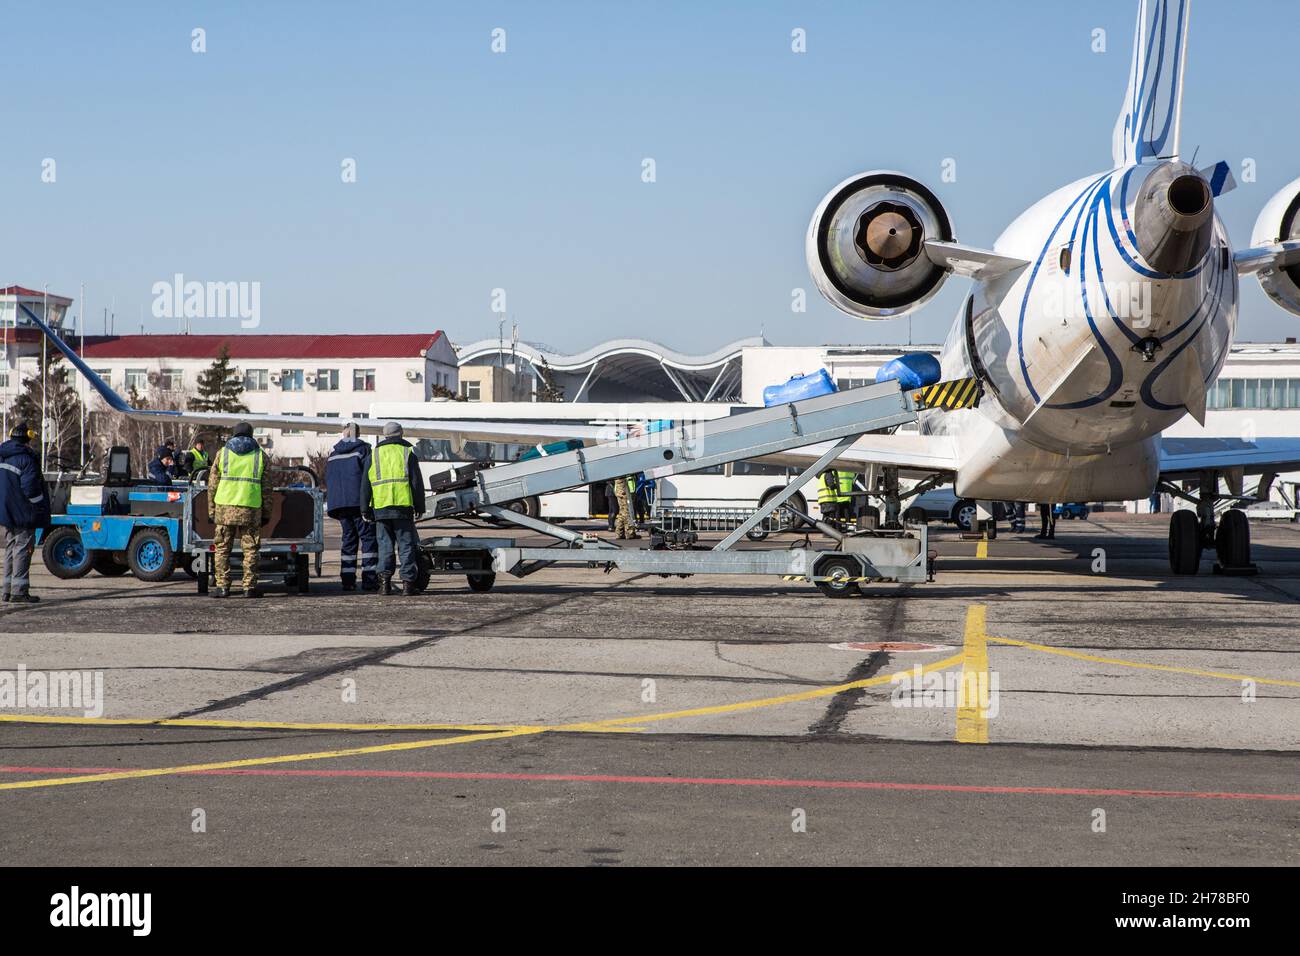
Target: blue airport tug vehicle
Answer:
pixel 115 526
pixel 1072 509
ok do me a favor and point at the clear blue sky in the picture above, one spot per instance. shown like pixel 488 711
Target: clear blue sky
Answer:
pixel 523 170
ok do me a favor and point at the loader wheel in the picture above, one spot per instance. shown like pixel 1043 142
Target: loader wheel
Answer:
pixel 841 572
pixel 481 583
pixel 150 555
pixel 65 555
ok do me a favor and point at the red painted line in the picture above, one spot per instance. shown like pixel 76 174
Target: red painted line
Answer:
pixel 692 781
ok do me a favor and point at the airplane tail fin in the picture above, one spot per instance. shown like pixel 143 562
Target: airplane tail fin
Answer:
pixel 1148 124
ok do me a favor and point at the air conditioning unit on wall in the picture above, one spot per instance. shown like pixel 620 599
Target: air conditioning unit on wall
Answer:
pixel 412 375
pixel 266 441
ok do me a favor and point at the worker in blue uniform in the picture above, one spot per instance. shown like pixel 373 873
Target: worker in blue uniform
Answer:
pixel 162 467
pixel 348 462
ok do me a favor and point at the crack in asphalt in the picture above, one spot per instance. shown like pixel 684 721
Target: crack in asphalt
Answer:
pixel 837 711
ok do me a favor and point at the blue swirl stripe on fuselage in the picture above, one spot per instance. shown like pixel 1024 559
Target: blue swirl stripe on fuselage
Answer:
pixel 1033 275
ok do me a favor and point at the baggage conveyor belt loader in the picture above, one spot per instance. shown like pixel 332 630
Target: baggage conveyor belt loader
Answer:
pixel 900 554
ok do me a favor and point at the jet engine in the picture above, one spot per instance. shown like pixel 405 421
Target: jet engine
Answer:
pixel 866 245
pixel 1278 222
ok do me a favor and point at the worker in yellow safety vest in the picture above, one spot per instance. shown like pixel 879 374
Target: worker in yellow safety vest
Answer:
pixel 835 494
pixel 196 458
pixel 392 496
pixel 239 504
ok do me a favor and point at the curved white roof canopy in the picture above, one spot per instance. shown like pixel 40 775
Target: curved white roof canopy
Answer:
pixel 635 369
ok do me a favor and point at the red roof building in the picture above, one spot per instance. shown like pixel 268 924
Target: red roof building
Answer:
pixel 263 347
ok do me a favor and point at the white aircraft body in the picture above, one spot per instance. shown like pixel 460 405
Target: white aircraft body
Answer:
pixel 1098 319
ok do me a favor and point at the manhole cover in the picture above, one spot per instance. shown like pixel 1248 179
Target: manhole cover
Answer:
pixel 890 646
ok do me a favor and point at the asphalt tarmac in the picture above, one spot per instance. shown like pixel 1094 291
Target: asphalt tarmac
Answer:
pixel 1057 702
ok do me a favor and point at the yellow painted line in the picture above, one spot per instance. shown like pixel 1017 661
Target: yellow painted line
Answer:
pixel 243 724
pixel 263 761
pixel 625 724
pixel 972 724
pixel 982 549
pixel 743 705
pixel 1077 655
pixel 629 723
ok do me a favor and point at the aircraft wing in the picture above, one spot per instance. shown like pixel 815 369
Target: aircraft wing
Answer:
pixel 915 455
pixel 525 433
pixel 1186 457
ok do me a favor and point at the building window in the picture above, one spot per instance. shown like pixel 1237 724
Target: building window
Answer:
pixel 361 415
pixel 256 380
pixel 327 380
pixel 846 383
pixel 171 379
pixel 105 373
pixel 137 379
pixel 292 431
pixel 1254 393
pixel 291 380
pixel 470 391
pixel 363 380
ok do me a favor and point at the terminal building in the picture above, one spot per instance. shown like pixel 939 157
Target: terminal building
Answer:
pixel 332 376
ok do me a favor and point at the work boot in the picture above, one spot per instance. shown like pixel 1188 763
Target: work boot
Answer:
pixel 386 587
pixel 220 592
pixel 24 599
pixel 252 593
pixel 349 585
pixel 6 598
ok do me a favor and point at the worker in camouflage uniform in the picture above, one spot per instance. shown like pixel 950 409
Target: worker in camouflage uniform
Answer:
pixel 624 525
pixel 239 503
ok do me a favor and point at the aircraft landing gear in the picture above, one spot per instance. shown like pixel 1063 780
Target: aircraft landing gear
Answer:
pixel 1191 532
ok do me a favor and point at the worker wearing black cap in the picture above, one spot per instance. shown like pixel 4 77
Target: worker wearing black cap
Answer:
pixel 162 467
pixel 24 507
pixel 239 504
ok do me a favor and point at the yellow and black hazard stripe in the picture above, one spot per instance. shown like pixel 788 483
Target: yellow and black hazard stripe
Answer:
pixel 953 394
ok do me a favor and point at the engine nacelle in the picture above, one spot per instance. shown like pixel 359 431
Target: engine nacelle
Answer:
pixel 866 242
pixel 1279 221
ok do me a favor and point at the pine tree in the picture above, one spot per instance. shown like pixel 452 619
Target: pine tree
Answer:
pixel 220 387
pixel 48 398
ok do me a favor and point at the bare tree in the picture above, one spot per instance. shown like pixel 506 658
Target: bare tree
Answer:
pixel 142 437
pixel 549 390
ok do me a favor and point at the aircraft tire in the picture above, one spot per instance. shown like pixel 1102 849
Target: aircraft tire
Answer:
pixel 1184 542
pixel 1232 540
